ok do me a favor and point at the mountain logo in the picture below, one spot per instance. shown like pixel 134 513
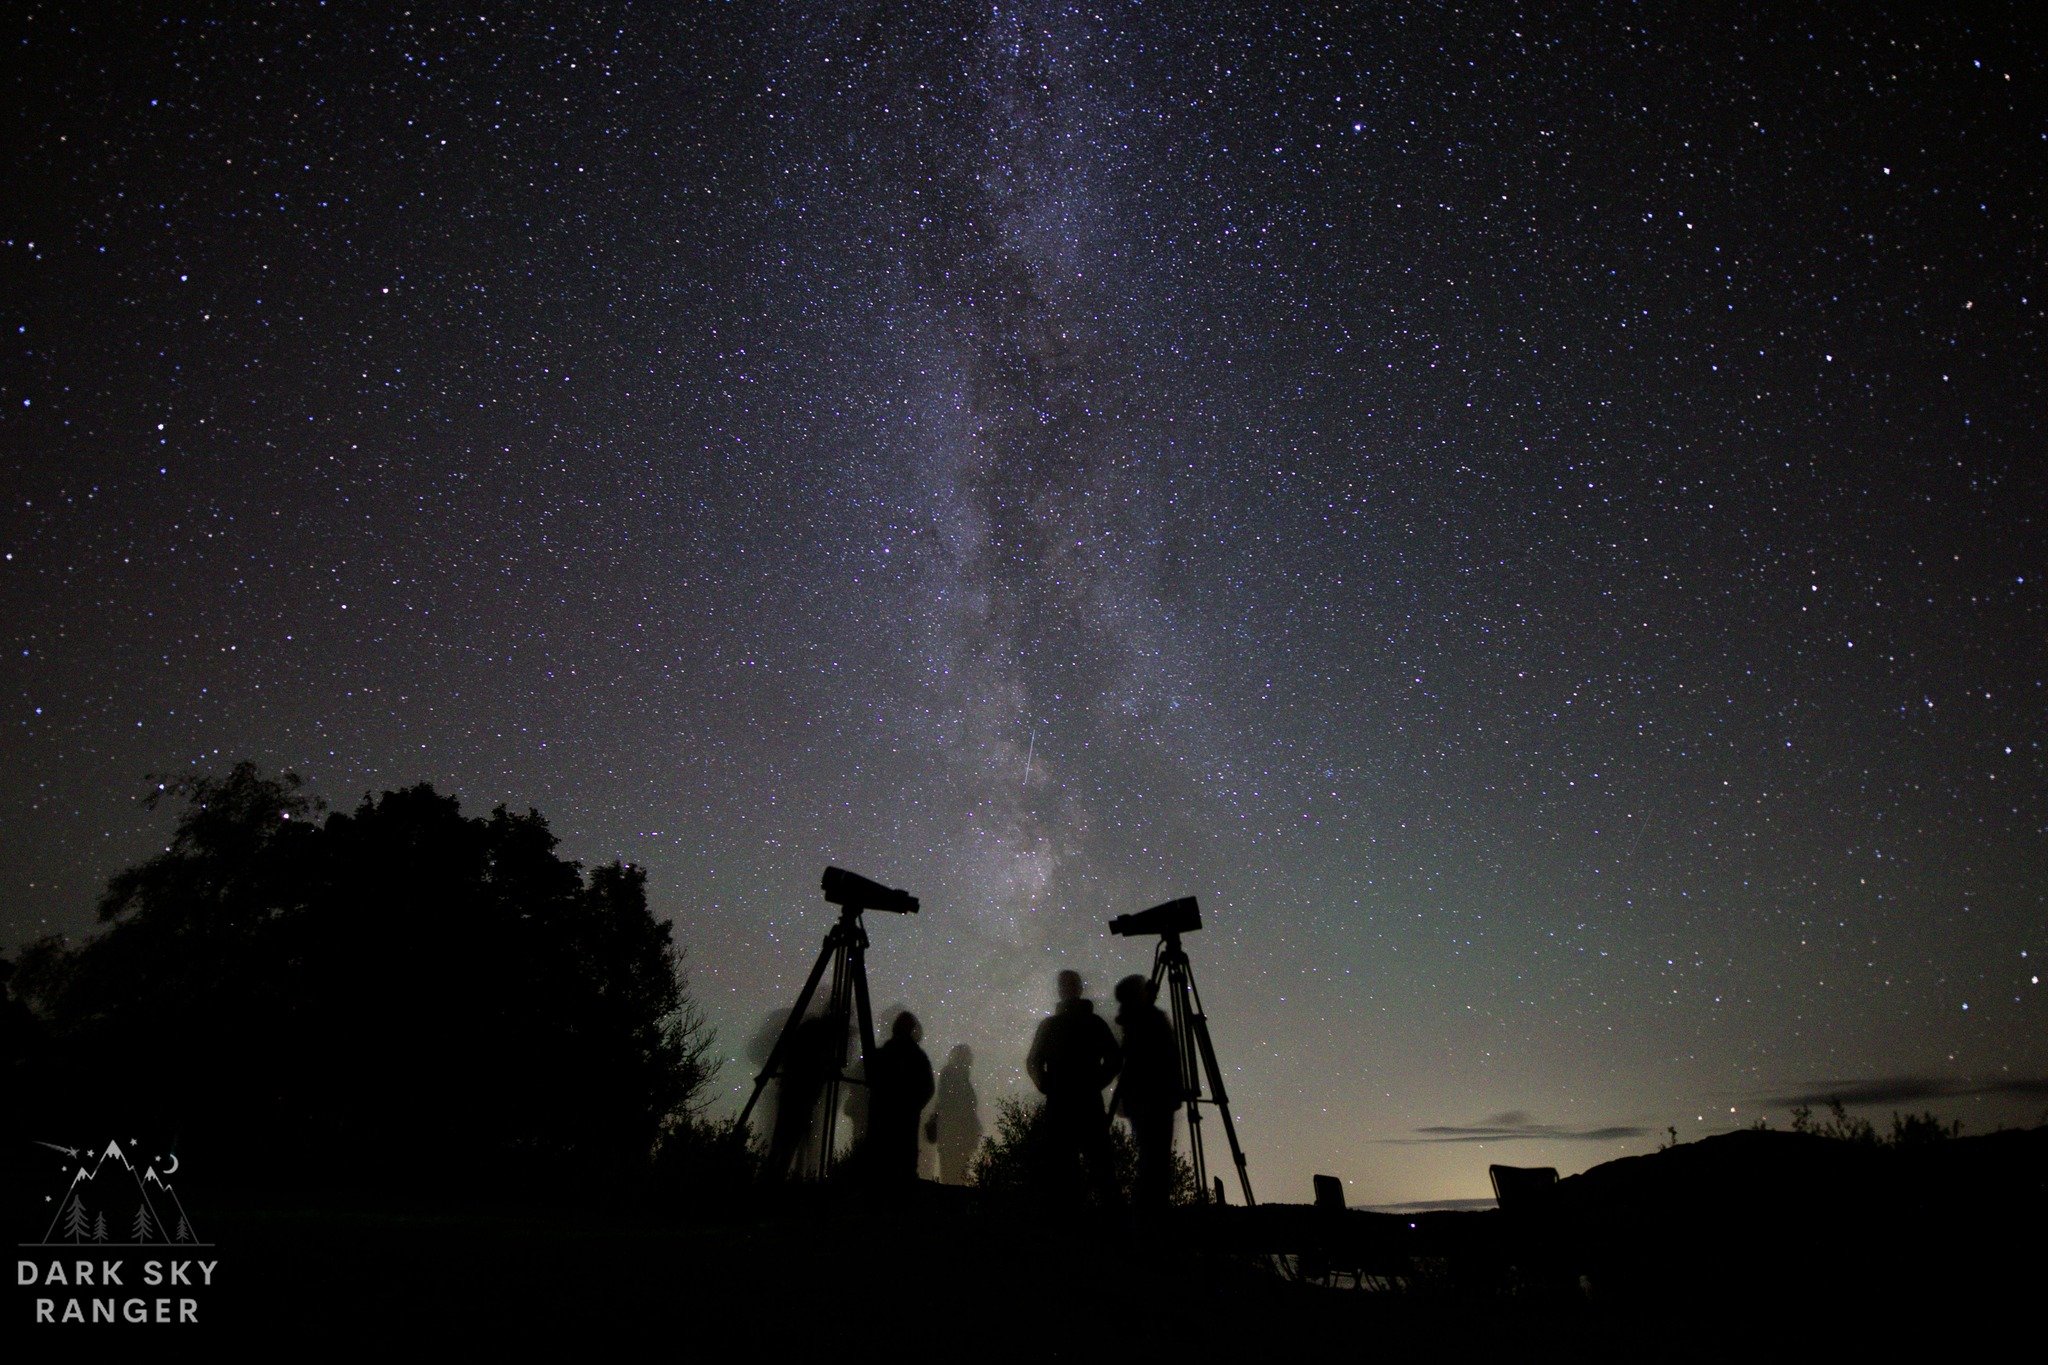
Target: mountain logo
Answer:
pixel 107 1203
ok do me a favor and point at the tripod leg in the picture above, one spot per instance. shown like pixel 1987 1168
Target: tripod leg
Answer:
pixel 859 969
pixel 1215 1073
pixel 1178 984
pixel 838 1011
pixel 851 991
pixel 773 1067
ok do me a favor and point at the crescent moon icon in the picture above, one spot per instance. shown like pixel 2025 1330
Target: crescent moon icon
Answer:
pixel 172 1169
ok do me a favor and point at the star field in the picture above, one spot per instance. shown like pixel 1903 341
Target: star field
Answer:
pixel 1537 521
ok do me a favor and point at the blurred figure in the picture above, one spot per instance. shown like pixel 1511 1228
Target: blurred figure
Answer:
pixel 899 1085
pixel 956 1125
pixel 1152 1088
pixel 1073 1056
pixel 761 1047
pixel 815 1052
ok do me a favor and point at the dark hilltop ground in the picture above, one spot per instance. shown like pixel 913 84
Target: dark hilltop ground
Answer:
pixel 1751 1245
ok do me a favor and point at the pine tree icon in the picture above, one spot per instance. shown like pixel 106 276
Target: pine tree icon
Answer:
pixel 145 1226
pixel 184 1232
pixel 99 1228
pixel 76 1225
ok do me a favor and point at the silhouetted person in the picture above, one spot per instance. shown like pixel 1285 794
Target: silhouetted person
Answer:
pixel 855 1106
pixel 1073 1056
pixel 956 1126
pixel 899 1084
pixel 815 1052
pixel 1151 1088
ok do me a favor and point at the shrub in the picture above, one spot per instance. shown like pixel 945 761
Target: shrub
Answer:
pixel 1908 1130
pixel 1021 1161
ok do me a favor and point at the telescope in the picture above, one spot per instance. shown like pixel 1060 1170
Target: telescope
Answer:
pixel 1173 983
pixel 851 891
pixel 1172 917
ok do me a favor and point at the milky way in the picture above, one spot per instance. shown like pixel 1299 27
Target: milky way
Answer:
pixel 1536 520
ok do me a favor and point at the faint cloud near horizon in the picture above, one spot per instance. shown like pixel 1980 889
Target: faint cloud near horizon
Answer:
pixel 1518 1126
pixel 1910 1090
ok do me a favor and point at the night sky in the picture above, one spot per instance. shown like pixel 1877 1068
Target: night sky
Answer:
pixel 1538 522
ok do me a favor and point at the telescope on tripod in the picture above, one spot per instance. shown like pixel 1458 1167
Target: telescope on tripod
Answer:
pixel 1190 1032
pixel 814 1050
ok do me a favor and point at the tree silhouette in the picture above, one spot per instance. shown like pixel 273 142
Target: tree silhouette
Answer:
pixel 357 990
pixel 76 1225
pixel 184 1232
pixel 144 1228
pixel 99 1228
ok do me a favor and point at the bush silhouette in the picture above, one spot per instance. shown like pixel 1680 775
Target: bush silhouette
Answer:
pixel 1021 1161
pixel 1908 1130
